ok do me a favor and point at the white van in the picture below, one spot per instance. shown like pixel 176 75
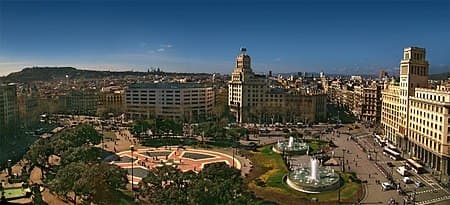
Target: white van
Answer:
pixel 402 171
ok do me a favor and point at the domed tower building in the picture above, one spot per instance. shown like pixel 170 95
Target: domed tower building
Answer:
pixel 260 99
pixel 243 85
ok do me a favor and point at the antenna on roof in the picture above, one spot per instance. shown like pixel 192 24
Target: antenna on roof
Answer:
pixel 243 50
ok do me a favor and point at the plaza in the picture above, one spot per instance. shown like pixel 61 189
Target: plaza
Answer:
pixel 139 162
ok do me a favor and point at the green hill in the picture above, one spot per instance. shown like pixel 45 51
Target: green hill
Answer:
pixel 61 73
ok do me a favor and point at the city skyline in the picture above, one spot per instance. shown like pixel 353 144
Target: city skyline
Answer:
pixel 199 36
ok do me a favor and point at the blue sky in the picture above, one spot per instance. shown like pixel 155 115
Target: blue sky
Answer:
pixel 347 37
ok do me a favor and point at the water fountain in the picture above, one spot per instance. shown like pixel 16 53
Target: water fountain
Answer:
pixel 314 175
pixel 313 179
pixel 290 146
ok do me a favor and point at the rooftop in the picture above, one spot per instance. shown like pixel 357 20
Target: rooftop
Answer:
pixel 166 85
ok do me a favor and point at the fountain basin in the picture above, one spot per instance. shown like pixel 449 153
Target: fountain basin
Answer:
pixel 297 148
pixel 301 180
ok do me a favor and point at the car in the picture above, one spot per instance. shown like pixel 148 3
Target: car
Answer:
pixel 407 180
pixel 386 186
pixel 418 184
pixel 390 164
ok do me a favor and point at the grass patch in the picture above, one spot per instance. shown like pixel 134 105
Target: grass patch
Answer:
pixel 266 181
pixel 14 193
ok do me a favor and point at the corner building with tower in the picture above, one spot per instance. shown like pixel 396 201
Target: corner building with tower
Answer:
pixel 258 99
pixel 415 117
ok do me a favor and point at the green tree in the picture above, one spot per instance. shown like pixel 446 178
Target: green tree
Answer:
pixel 100 183
pixel 66 179
pixel 85 154
pixel 219 183
pixel 166 185
pixel 39 152
pixel 140 126
pixel 85 134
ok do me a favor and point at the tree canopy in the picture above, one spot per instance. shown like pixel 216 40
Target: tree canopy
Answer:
pixel 217 183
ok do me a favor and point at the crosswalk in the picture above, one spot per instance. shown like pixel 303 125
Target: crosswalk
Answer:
pixel 424 191
pixel 435 200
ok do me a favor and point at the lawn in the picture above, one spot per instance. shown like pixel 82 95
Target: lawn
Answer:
pixel 14 193
pixel 266 181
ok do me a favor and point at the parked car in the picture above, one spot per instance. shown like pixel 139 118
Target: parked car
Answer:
pixel 386 186
pixel 418 184
pixel 407 180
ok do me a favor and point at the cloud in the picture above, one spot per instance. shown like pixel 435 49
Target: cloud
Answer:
pixel 166 46
pixel 277 59
pixel 161 49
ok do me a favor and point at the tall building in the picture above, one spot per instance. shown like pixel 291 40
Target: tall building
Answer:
pixel 9 113
pixel 111 100
pixel 367 102
pixel 254 98
pixel 82 102
pixel 416 118
pixel 178 101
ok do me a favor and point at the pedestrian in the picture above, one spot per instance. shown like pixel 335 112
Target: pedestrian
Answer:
pixel 369 175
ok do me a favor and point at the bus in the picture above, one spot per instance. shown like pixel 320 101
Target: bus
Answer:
pixel 380 141
pixel 392 153
pixel 415 166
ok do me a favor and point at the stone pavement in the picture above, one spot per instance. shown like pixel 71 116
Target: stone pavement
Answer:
pixel 357 161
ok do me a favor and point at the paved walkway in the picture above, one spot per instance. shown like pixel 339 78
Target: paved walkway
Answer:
pixel 357 161
pixel 185 159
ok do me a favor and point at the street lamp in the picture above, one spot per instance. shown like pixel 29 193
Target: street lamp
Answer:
pixel 132 169
pixel 343 160
pixel 233 148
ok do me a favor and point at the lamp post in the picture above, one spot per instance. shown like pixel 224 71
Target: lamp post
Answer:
pixel 233 148
pixel 132 169
pixel 343 160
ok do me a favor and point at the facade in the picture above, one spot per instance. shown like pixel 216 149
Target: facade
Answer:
pixel 111 100
pixel 367 102
pixel 390 115
pixel 9 113
pixel 254 98
pixel 429 128
pixel 416 118
pixel 82 102
pixel 361 97
pixel 178 101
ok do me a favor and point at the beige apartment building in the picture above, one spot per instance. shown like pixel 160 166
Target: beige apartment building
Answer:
pixel 253 98
pixel 178 101
pixel 416 118
pixel 390 111
pixel 111 100
pixel 429 128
